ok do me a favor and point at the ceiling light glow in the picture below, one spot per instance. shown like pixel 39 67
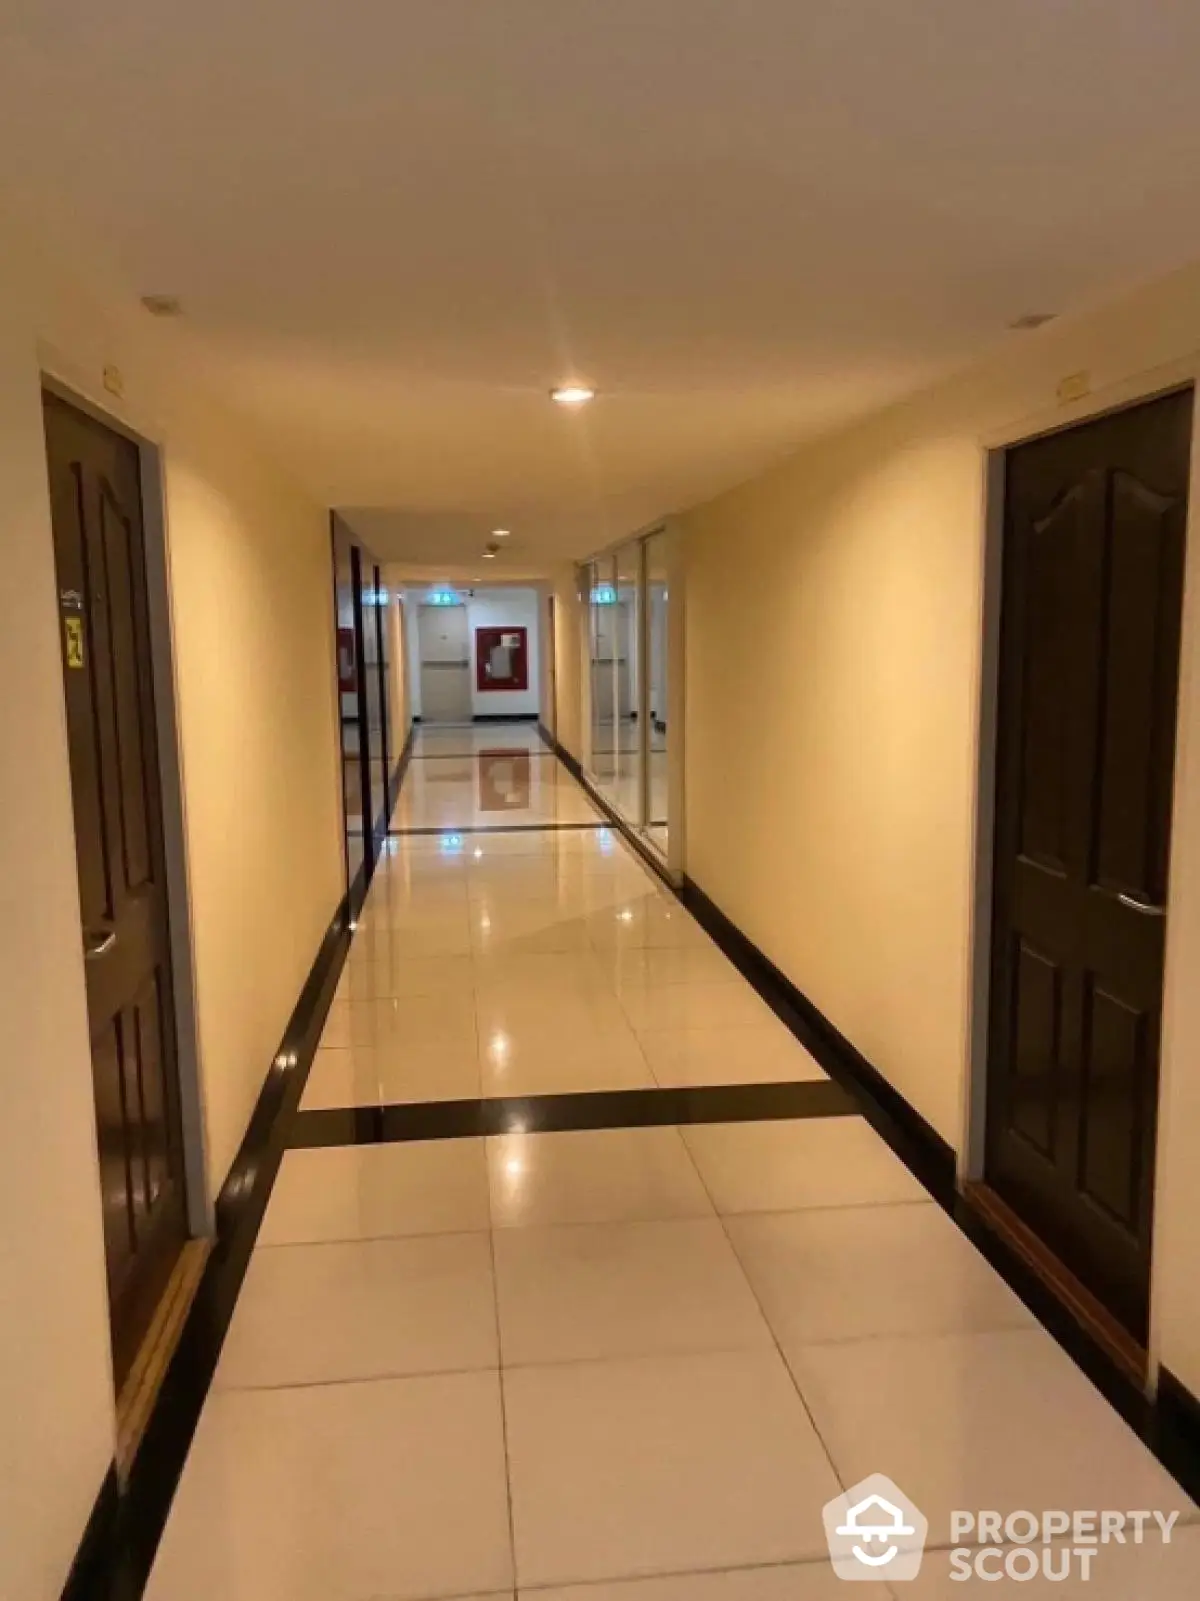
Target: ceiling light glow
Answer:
pixel 572 395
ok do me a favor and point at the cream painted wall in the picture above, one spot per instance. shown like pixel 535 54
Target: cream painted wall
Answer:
pixel 253 651
pixel 834 626
pixel 55 1378
pixel 250 568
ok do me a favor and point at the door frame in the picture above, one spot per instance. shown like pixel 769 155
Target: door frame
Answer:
pixel 548 653
pixel 198 1197
pixel 1119 395
pixel 669 529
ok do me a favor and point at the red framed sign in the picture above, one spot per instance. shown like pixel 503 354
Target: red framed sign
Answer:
pixel 347 656
pixel 501 659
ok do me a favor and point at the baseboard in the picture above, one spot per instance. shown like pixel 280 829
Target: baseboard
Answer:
pixel 118 1547
pixel 1169 1424
pixel 918 1144
pixel 1177 1431
pixel 401 767
pixel 88 1577
pixel 630 835
pixel 504 717
pixel 243 1198
pixel 564 755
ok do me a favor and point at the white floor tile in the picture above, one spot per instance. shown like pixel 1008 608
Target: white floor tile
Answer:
pixel 980 1420
pixel 622 1289
pixel 809 1581
pixel 537 1060
pixel 637 966
pixel 723 1005
pixel 650 921
pixel 364 1192
pixel 443 976
pixel 517 931
pixel 401 1024
pixel 365 1076
pixel 757 1054
pixel 661 1465
pixel 312 1314
pixel 569 1011
pixel 545 971
pixel 593 1176
pixel 392 1489
pixel 780 1166
pixel 1149 1572
pixel 418 937
pixel 848 1272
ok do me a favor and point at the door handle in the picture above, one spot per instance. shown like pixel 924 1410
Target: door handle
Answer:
pixel 98 944
pixel 1146 908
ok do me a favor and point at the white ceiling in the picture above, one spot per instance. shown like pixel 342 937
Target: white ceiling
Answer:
pixel 395 223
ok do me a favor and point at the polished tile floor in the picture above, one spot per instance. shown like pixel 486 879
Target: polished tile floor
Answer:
pixel 623 1364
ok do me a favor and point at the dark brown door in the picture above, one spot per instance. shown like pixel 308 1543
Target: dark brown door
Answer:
pixel 1093 582
pixel 105 632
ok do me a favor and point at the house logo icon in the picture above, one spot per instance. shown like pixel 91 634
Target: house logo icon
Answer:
pixel 875 1532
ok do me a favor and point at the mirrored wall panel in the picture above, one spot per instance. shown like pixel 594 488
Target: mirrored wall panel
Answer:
pixel 657 674
pixel 627 776
pixel 602 602
pixel 626 597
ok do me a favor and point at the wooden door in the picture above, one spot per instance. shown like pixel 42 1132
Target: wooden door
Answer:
pixel 108 679
pixel 1093 582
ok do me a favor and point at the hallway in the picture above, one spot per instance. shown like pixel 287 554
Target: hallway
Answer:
pixel 515 1336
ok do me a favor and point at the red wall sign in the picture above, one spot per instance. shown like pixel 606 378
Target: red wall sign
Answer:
pixel 347 665
pixel 501 659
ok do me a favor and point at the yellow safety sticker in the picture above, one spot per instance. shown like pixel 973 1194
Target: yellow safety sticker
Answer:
pixel 73 630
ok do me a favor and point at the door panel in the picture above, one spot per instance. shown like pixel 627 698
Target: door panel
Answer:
pixel 1093 579
pixel 107 675
pixel 445 664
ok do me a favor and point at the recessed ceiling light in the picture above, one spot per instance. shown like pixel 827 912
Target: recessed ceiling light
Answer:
pixel 572 395
pixel 500 533
pixel 1030 320
pixel 489 555
pixel 163 305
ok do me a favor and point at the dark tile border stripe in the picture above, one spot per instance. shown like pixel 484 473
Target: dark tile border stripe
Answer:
pixel 504 717
pixel 1170 1423
pixel 118 1548
pixel 630 835
pixel 473 755
pixel 119 1565
pixel 499 828
pixel 932 1162
pixel 1176 1425
pixel 90 1572
pixel 591 1109
pixel 919 1145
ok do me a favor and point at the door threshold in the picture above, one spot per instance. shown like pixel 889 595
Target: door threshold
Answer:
pixel 1113 1338
pixel 135 1402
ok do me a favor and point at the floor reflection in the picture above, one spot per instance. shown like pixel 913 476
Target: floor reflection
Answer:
pixel 505 780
